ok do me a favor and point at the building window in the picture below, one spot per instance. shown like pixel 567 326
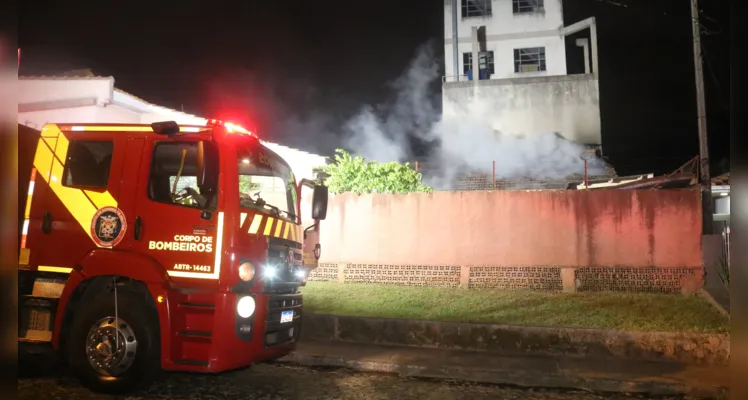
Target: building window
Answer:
pixel 87 164
pixel 476 8
pixel 527 6
pixel 529 60
pixel 486 64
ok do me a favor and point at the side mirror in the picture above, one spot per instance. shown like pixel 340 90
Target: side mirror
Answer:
pixel 200 164
pixel 319 202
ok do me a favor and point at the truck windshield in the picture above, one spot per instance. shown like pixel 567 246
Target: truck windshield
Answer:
pixel 266 182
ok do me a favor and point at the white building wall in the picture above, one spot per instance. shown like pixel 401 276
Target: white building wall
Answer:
pixel 37 119
pixel 568 105
pixel 55 89
pixel 506 32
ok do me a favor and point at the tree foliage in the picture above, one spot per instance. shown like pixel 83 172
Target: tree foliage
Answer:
pixel 246 185
pixel 354 174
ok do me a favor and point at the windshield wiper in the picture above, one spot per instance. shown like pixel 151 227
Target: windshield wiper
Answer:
pixel 276 210
pixel 259 202
pixel 290 215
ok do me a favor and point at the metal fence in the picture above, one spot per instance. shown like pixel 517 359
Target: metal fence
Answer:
pixel 433 175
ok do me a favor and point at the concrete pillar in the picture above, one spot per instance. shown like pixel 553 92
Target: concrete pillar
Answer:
pixel 593 49
pixel 567 279
pixel 341 273
pixel 455 42
pixel 475 47
pixel 465 276
pixel 584 43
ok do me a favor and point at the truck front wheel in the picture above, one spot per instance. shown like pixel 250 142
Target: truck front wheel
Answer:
pixel 115 352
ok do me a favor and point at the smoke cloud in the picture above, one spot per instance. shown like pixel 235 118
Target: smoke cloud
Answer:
pixel 461 143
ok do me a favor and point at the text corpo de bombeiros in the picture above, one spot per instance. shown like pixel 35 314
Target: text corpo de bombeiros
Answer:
pixel 189 243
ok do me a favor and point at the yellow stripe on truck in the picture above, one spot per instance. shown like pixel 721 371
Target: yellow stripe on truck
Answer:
pixel 46 268
pixel 49 161
pixel 268 226
pixel 254 227
pixel 287 230
pixel 278 228
pixel 106 128
pixel 74 200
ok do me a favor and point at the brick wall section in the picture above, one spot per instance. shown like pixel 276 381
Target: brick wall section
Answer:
pixel 545 240
pixel 589 279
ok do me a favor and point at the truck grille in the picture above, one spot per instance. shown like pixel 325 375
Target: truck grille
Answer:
pixel 284 292
pixel 285 280
pixel 277 332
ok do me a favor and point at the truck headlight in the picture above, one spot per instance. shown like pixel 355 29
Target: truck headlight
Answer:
pixel 246 271
pixel 269 272
pixel 245 307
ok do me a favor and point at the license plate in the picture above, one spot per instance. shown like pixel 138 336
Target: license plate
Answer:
pixel 286 316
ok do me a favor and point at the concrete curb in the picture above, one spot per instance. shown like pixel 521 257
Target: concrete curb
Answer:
pixel 708 297
pixel 689 348
pixel 513 378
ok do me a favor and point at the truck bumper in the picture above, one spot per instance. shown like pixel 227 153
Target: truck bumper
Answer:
pixel 226 348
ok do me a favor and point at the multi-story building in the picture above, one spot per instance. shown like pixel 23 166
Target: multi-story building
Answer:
pixel 521 83
pixel 521 38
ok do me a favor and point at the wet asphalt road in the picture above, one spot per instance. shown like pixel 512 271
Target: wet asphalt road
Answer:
pixel 288 382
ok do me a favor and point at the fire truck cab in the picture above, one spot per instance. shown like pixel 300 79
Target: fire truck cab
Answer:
pixel 149 247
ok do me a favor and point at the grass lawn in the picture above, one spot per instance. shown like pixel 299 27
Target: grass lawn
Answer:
pixel 606 310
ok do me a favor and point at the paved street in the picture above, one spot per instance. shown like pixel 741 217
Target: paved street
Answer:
pixel 285 382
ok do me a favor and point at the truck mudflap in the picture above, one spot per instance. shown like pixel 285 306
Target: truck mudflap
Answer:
pixel 38 299
pixel 38 296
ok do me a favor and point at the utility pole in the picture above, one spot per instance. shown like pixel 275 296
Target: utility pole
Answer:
pixel 704 176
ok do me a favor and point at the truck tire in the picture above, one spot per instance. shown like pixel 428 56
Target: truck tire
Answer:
pixel 104 363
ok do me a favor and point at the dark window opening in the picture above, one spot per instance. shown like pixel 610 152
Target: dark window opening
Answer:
pixel 88 163
pixel 476 8
pixel 173 181
pixel 485 64
pixel 527 6
pixel 529 60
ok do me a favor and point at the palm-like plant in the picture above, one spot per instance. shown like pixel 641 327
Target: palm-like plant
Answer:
pixel 723 268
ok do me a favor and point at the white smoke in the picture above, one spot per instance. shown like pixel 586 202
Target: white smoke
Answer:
pixel 465 141
pixel 384 135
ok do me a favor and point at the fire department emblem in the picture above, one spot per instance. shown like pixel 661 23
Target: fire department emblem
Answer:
pixel 108 227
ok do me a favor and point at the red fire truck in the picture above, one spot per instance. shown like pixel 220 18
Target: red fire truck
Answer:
pixel 160 247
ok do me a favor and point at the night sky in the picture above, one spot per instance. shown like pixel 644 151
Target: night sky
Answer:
pixel 260 62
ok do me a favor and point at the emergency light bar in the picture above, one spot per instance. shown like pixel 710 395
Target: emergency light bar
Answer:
pixel 231 127
pixel 171 128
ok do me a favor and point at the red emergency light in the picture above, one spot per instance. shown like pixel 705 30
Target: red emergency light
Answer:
pixel 231 127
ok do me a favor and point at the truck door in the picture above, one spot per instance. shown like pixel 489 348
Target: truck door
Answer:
pixel 77 181
pixel 172 226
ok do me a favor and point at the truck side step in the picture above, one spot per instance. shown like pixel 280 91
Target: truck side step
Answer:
pixel 37 306
pixel 48 287
pixel 196 334
pixel 34 336
pixel 196 363
pixel 192 306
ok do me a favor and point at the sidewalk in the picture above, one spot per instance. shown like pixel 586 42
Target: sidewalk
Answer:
pixel 603 375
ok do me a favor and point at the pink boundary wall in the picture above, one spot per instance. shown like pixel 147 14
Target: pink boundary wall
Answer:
pixel 602 228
